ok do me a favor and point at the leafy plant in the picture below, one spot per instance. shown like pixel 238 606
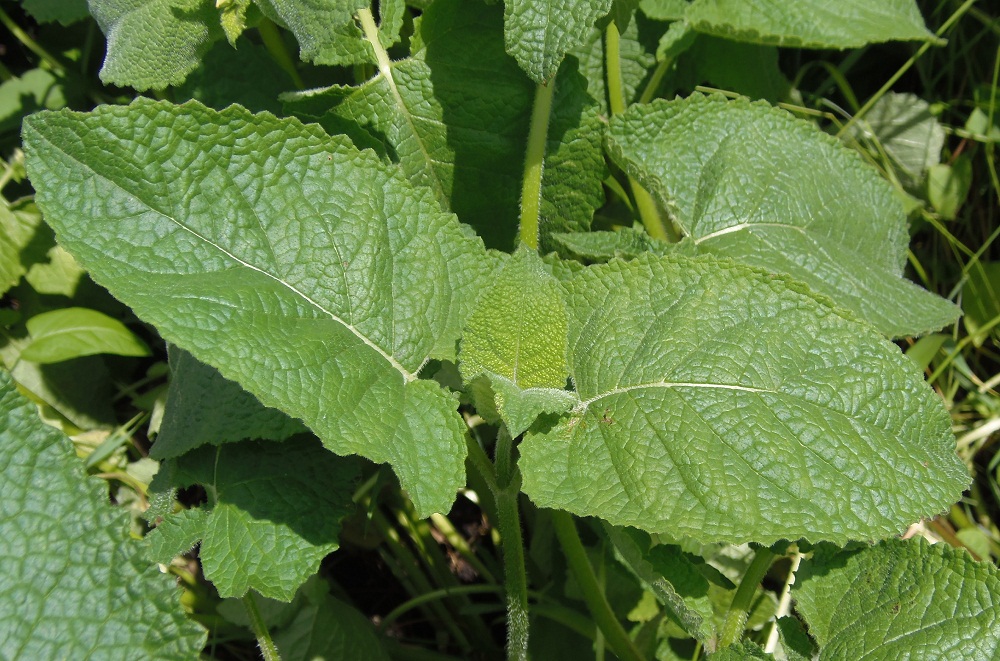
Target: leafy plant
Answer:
pixel 499 262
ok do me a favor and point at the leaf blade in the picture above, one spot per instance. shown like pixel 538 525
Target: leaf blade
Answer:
pixel 748 411
pixel 331 329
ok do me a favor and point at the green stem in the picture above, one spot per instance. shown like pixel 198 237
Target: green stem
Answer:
pixel 656 226
pixel 617 639
pixel 655 80
pixel 509 523
pixel 534 163
pixel 906 67
pixel 30 43
pixel 267 647
pixel 736 618
pixel 275 45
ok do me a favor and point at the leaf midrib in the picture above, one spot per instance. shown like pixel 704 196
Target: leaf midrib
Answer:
pixel 407 375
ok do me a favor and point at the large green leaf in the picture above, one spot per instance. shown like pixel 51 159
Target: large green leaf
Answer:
pixel 516 338
pixel 204 407
pixel 539 33
pixel 74 584
pixel 751 182
pixel 153 44
pixel 901 600
pixel 266 529
pixel 455 116
pixel 728 404
pixel 307 271
pixel 809 23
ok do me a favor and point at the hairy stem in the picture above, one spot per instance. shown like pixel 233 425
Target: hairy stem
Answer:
pixel 617 639
pixel 534 162
pixel 515 574
pixel 736 618
pixel 267 646
pixel 656 226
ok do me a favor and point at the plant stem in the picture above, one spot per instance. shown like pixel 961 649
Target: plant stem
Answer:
pixel 736 618
pixel 906 67
pixel 509 523
pixel 656 226
pixel 534 163
pixel 30 43
pixel 784 603
pixel 275 45
pixel 267 647
pixel 617 639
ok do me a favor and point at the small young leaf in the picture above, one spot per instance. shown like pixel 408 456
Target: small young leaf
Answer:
pixel 732 405
pixel 516 337
pixel 266 529
pixel 809 23
pixel 310 273
pixel 74 584
pixel 539 33
pixel 949 185
pixel 900 600
pixel 751 182
pixel 74 332
pixel 204 407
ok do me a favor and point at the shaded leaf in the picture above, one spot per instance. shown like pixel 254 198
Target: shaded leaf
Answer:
pixel 728 404
pixel 204 407
pixel 455 115
pixel 75 332
pixel 907 130
pixel 75 584
pixel 948 186
pixel 751 182
pixel 322 300
pixel 901 600
pixel 62 11
pixel 18 226
pixel 327 31
pixel 265 529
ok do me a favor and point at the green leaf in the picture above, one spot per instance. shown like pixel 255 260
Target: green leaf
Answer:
pixel 153 44
pixel 901 600
pixel 75 584
pixel 637 52
pixel 18 226
pixel 748 69
pixel 37 89
pixel 796 642
pixel 246 74
pixel 740 652
pixel 327 31
pixel 204 407
pixel 728 404
pixel 664 10
pixel 602 246
pixel 74 332
pixel 670 576
pixel 751 182
pixel 809 23
pixel 539 33
pixel 310 273
pixel 176 534
pixel 455 115
pixel 948 186
pixel 62 11
pixel 907 131
pixel 981 301
pixel 516 337
pixel 266 529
